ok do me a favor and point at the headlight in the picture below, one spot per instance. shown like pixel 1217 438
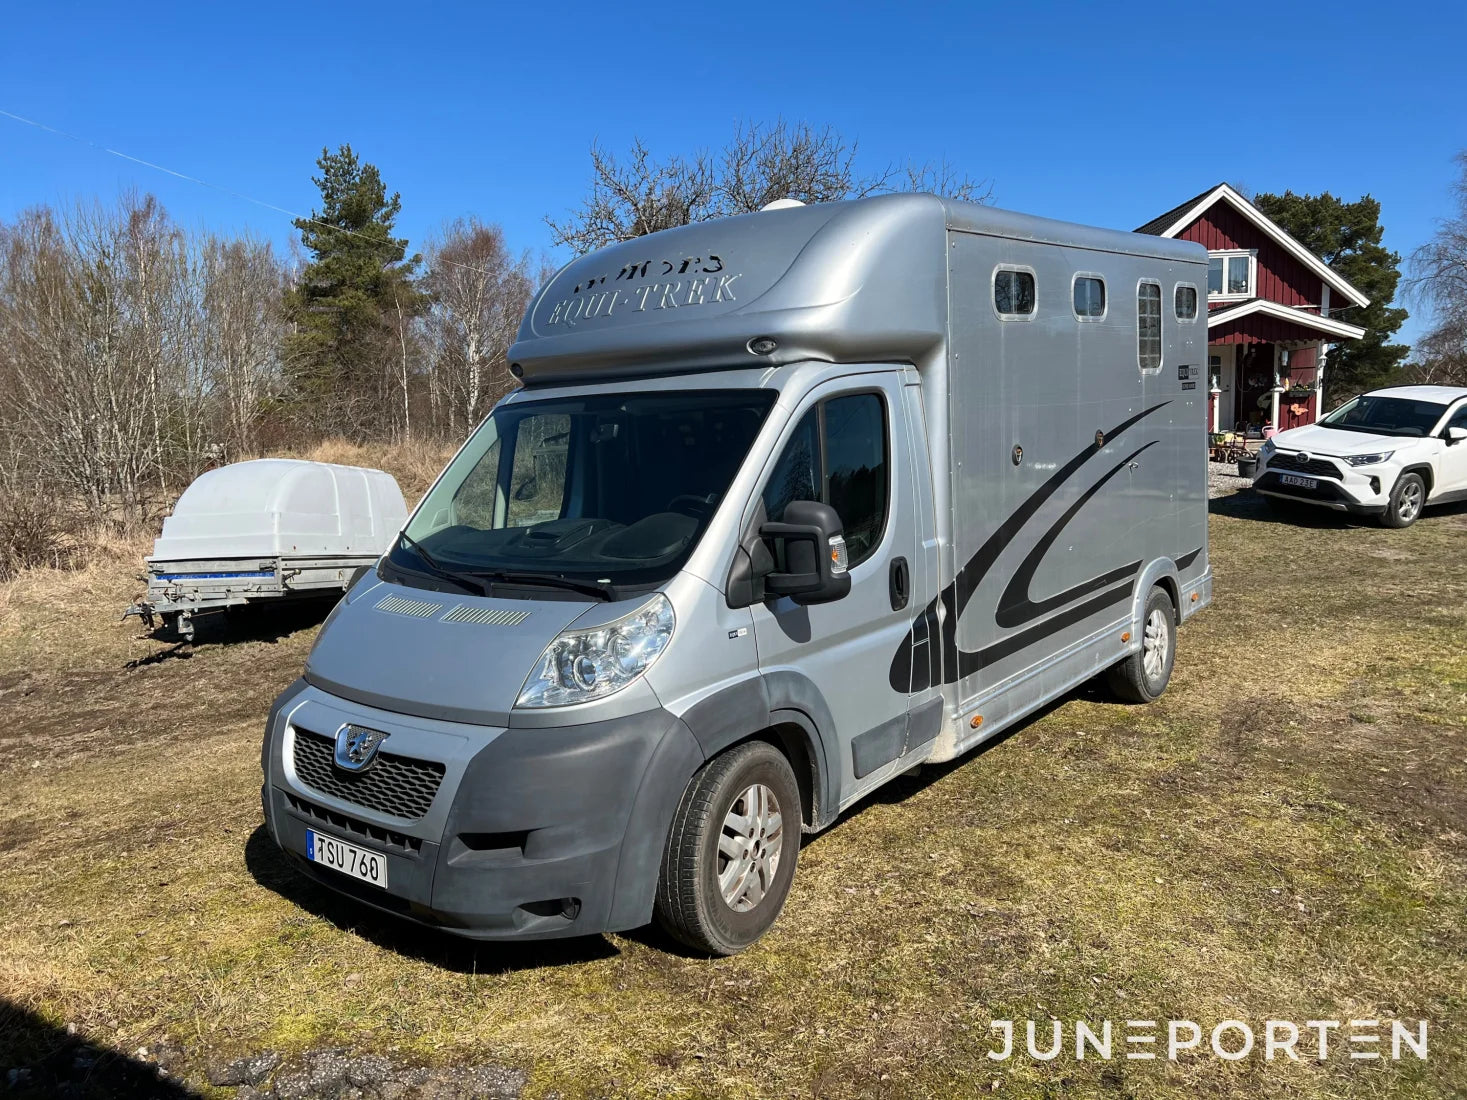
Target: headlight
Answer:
pixel 582 665
pixel 1266 451
pixel 1369 460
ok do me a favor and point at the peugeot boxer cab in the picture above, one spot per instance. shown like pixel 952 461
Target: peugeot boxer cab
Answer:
pixel 788 504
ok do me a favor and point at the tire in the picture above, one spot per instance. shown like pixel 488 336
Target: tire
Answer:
pixel 691 903
pixel 1144 675
pixel 1408 497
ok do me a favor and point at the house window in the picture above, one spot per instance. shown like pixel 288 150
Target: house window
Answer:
pixel 1089 297
pixel 1013 292
pixel 1231 274
pixel 1148 326
pixel 1185 301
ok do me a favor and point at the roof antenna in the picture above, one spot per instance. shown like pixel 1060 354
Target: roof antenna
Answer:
pixel 781 204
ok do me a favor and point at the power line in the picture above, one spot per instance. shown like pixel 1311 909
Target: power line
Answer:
pixel 212 186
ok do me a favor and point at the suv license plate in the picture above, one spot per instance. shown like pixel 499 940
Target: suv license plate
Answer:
pixel 1301 482
pixel 369 867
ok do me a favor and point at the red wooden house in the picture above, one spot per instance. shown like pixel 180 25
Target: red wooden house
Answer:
pixel 1273 309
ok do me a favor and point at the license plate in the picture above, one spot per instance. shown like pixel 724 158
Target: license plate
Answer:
pixel 359 863
pixel 1301 482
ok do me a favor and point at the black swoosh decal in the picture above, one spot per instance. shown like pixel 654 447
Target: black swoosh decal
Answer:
pixel 954 598
pixel 1015 608
pixel 969 663
pixel 980 563
pixel 1187 559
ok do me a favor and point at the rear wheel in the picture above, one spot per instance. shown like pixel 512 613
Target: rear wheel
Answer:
pixel 1407 499
pixel 1144 675
pixel 732 851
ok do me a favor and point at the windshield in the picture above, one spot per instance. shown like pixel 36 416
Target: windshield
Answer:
pixel 611 488
pixel 1386 416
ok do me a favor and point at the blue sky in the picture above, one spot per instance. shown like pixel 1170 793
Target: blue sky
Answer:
pixel 1107 114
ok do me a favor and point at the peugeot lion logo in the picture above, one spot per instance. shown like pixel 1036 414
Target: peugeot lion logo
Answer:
pixel 356 747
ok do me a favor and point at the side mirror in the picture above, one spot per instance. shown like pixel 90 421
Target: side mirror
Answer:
pixel 1456 435
pixel 814 554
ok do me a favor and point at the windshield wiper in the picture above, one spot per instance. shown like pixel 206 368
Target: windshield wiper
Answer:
pixel 467 581
pixel 600 589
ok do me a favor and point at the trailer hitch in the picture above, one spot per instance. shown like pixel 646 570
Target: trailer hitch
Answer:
pixel 143 610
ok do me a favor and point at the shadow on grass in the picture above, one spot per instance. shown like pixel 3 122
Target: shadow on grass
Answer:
pixel 1246 504
pixel 264 622
pixel 39 1059
pixel 276 872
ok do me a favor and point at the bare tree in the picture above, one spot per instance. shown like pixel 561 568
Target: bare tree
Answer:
pixel 479 292
pixel 636 196
pixel 1439 281
pixel 127 350
pixel 243 288
pixel 760 163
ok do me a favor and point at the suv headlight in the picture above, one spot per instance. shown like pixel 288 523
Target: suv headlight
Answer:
pixel 582 665
pixel 1266 451
pixel 1369 460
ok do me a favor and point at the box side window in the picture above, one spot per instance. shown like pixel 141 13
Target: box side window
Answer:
pixel 1013 293
pixel 1089 297
pixel 1148 326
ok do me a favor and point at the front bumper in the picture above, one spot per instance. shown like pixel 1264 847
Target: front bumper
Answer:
pixel 531 833
pixel 1361 490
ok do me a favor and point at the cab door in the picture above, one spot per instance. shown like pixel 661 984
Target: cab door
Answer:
pixel 847 446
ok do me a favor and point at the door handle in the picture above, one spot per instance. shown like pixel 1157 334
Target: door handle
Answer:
pixel 901 583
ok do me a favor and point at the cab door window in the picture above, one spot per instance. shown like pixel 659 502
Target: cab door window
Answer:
pixel 839 455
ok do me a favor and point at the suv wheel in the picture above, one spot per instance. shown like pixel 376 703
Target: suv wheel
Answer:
pixel 732 851
pixel 1144 675
pixel 1407 499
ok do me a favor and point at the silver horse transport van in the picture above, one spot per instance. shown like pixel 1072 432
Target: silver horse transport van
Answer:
pixel 788 504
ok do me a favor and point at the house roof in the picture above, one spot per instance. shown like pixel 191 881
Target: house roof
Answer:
pixel 1179 217
pixel 1325 325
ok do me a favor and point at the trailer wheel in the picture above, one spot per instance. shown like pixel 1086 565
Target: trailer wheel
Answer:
pixel 732 851
pixel 1143 675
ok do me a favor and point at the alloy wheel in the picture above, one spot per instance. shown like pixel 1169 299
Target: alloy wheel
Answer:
pixel 749 847
pixel 1155 642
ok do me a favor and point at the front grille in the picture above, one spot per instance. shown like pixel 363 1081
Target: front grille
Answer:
pixel 397 785
pixel 340 823
pixel 1315 467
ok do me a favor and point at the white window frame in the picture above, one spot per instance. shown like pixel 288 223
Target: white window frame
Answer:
pixel 1199 304
pixel 1104 290
pixel 1160 325
pixel 993 292
pixel 1224 255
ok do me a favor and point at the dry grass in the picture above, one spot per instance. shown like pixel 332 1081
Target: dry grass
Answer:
pixel 1283 835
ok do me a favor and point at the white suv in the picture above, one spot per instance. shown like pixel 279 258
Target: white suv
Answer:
pixel 1386 453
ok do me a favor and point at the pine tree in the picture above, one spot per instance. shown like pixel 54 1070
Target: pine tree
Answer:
pixel 1347 236
pixel 350 301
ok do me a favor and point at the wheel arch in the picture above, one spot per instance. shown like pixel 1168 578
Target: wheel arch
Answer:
pixel 1422 470
pixel 787 710
pixel 1161 573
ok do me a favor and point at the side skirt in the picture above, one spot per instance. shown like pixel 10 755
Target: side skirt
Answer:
pixel 1025 692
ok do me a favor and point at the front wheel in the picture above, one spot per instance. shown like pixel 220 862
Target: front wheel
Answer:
pixel 1407 498
pixel 1144 675
pixel 732 851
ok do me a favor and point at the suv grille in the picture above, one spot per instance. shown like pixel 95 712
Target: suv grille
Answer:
pixel 397 785
pixel 1315 467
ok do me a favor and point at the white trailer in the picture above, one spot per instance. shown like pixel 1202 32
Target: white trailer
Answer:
pixel 266 530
